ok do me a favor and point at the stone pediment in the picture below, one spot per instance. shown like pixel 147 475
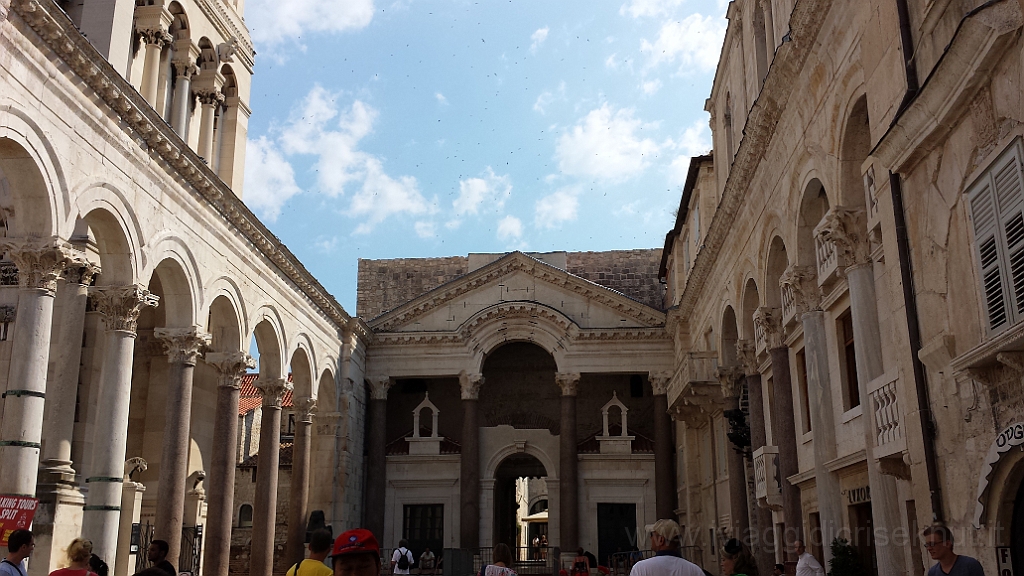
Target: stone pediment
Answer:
pixel 518 284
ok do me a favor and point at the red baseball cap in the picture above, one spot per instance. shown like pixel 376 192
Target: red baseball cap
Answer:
pixel 356 541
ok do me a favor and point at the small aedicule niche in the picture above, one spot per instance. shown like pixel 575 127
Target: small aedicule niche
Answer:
pixel 623 443
pixel 425 445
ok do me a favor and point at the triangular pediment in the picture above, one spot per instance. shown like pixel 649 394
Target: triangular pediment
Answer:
pixel 517 277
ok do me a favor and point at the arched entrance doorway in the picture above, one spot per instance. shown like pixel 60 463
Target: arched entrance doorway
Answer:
pixel 519 487
pixel 1017 532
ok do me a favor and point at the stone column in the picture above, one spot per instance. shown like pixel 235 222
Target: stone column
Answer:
pixel 769 31
pixel 185 69
pixel 40 262
pixel 783 422
pixel 264 509
pixel 231 367
pixel 568 485
pixel 846 228
pixel 731 378
pixel 183 347
pixel 762 516
pixel 664 449
pixel 298 497
pixel 155 39
pixel 376 460
pixel 209 99
pixel 802 283
pixel 469 469
pixel 120 306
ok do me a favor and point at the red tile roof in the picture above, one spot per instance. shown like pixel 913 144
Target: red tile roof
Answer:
pixel 249 397
pixel 285 458
pixel 640 445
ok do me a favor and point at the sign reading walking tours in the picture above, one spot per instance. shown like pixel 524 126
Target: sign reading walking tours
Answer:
pixel 16 513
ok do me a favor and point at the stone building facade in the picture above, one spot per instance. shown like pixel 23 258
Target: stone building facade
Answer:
pixel 134 279
pixel 842 270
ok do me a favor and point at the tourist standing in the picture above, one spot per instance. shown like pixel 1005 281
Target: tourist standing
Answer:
pixel 319 546
pixel 356 553
pixel 79 553
pixel 19 546
pixel 668 559
pixel 401 560
pixel 939 542
pixel 501 562
pixel 806 565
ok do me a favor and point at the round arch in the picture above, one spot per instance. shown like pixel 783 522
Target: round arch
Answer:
pixel 512 449
pixel 729 333
pixel 301 365
pixel 170 248
pixel 750 302
pixel 226 287
pixel 775 264
pixel 269 341
pixel 177 297
pixel 27 140
pixel 519 322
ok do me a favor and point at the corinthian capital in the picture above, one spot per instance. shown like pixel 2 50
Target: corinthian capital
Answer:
pixel 185 68
pixel 183 345
pixel 230 366
pixel 156 36
pixel 273 390
pixel 379 386
pixel 80 271
pixel 209 97
pixel 799 285
pixel 40 261
pixel 768 322
pixel 659 382
pixel 469 385
pixel 730 379
pixel 747 356
pixel 121 305
pixel 569 382
pixel 847 230
pixel 305 407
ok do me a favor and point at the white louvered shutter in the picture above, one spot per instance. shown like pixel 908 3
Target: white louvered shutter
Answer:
pixel 1006 181
pixel 986 241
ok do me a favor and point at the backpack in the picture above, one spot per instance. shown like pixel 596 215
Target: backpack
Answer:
pixel 403 560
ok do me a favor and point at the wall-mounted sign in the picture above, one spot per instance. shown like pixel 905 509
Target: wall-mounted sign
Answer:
pixel 859 495
pixel 1004 562
pixel 16 513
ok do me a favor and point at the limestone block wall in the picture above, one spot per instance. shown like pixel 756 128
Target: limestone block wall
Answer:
pixel 245 493
pixel 632 272
pixel 386 284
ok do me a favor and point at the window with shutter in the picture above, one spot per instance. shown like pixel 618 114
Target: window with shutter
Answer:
pixel 997 211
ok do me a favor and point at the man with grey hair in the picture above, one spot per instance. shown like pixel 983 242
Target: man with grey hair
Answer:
pixel 806 564
pixel 667 560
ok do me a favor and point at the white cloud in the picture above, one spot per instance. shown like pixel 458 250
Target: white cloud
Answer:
pixel 325 244
pixel 273 22
pixel 538 38
pixel 695 141
pixel 651 86
pixel 510 228
pixel 425 229
pixel 317 127
pixel 552 210
pixel 269 179
pixel 606 145
pixel 440 98
pixel 694 41
pixel 473 192
pixel 642 8
pixel 548 97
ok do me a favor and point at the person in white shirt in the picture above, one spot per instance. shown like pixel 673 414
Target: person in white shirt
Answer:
pixel 806 565
pixel 401 556
pixel 667 560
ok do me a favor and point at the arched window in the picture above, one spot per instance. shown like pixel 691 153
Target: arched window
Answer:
pixel 245 516
pixel 539 506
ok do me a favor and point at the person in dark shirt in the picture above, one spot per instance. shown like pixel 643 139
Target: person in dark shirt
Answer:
pixel 157 554
pixel 939 542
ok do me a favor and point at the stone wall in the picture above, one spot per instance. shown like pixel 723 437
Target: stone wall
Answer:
pixel 384 285
pixel 631 272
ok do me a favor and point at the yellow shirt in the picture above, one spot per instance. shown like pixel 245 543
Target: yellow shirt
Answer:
pixel 311 568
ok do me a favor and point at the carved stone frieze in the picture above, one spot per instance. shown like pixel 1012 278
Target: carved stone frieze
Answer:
pixel 183 345
pixel 568 382
pixel 230 366
pixel 659 382
pixel 39 261
pixel 145 126
pixel 846 229
pixel 273 390
pixel 469 385
pixel 121 305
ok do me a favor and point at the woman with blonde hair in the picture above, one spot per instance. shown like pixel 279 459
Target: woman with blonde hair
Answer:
pixel 79 552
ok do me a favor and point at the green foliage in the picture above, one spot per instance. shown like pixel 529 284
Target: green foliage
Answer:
pixel 845 559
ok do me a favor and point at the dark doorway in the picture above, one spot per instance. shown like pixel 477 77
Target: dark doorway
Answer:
pixel 1017 532
pixel 862 536
pixel 616 530
pixel 423 526
pixel 506 505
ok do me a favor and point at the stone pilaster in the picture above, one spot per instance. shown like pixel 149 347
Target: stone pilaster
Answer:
pixel 298 497
pixel 182 347
pixel 664 448
pixel 120 306
pixel 469 466
pixel 40 262
pixel 231 367
pixel 568 483
pixel 264 510
pixel 376 460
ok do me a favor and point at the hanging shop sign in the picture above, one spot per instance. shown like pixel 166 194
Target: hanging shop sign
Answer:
pixel 16 513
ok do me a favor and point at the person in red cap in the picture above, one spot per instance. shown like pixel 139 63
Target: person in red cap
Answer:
pixel 356 553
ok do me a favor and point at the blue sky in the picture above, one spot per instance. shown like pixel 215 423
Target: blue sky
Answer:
pixel 436 128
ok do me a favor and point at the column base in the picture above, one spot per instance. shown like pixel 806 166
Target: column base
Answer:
pixel 58 518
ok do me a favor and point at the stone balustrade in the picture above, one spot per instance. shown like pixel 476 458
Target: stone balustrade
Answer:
pixel 886 418
pixel 767 487
pixel 827 257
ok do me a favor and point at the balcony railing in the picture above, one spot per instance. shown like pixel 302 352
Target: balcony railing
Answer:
pixel 829 261
pixel 788 304
pixel 888 427
pixel 767 486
